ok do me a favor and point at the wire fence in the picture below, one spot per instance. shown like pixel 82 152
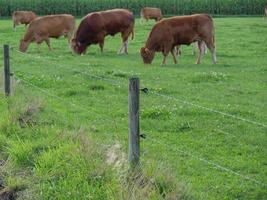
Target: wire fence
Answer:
pixel 209 109
pixel 122 85
pixel 182 101
pixel 213 164
pixel 84 72
pixel 91 110
pixel 152 140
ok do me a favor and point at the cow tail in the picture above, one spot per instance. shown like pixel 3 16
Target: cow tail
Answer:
pixel 213 39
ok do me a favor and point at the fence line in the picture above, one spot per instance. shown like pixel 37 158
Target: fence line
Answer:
pixel 43 58
pixel 213 164
pixel 60 98
pixel 176 99
pixel 111 81
pixel 226 133
pixel 209 109
pixel 113 121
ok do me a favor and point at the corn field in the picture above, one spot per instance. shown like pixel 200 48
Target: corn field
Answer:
pixel 169 7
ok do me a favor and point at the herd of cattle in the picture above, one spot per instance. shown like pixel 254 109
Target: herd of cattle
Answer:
pixel 166 36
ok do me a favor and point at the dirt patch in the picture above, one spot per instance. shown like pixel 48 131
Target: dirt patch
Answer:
pixel 10 193
pixel 115 156
pixel 27 117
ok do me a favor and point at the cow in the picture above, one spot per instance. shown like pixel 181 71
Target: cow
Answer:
pixel 22 17
pixel 50 26
pixel 150 13
pixel 170 32
pixel 95 26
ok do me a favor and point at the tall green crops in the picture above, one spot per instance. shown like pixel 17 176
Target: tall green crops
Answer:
pixel 169 7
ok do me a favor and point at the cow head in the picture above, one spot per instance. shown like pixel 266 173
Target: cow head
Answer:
pixel 147 55
pixel 78 47
pixel 23 45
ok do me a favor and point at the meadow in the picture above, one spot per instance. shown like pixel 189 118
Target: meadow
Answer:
pixel 205 125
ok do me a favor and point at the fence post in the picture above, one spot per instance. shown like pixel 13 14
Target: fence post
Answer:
pixel 134 129
pixel 6 70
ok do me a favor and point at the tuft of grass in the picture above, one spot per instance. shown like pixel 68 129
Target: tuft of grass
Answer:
pixel 120 75
pixel 210 77
pixel 157 113
pixel 21 153
pixel 97 87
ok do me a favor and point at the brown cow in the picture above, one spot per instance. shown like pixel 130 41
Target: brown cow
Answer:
pixel 95 26
pixel 150 13
pixel 168 33
pixel 22 17
pixel 50 26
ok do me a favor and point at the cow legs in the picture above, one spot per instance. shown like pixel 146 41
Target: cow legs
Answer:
pixel 214 58
pixel 201 46
pixel 212 49
pixel 120 50
pixel 101 45
pixel 194 48
pixel 101 40
pixel 69 39
pixel 177 50
pixel 38 41
pixel 164 59
pixel 166 49
pixel 165 54
pixel 47 41
pixel 173 52
pixel 14 25
pixel 69 34
pixel 124 46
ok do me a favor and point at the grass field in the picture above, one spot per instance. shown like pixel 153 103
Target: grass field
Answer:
pixel 58 150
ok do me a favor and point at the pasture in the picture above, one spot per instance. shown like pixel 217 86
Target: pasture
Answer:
pixel 80 106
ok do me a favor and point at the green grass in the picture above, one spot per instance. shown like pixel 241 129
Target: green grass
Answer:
pixel 61 153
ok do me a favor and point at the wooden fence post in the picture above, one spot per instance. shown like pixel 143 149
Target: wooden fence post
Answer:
pixel 6 70
pixel 134 129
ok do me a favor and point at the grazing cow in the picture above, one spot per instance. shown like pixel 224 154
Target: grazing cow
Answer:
pixel 22 17
pixel 95 26
pixel 50 26
pixel 150 13
pixel 168 33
